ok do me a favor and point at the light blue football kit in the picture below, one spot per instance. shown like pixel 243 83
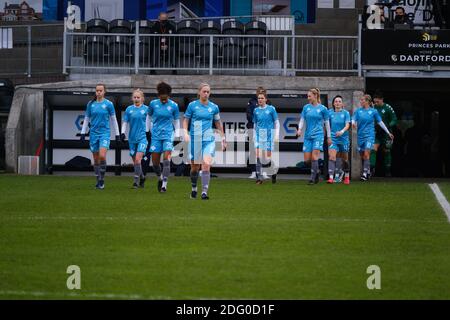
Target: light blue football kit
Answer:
pixel 314 117
pixel 201 128
pixel 99 114
pixel 163 115
pixel 338 121
pixel 365 120
pixel 264 120
pixel 137 120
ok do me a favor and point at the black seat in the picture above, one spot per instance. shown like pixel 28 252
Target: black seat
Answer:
pixel 120 26
pixel 255 27
pixel 145 27
pixel 187 46
pixel 210 27
pixel 255 48
pixel 119 48
pixel 145 41
pixel 232 47
pixel 97 26
pixel 96 48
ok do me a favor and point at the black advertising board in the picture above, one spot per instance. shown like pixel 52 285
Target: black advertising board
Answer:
pixel 406 47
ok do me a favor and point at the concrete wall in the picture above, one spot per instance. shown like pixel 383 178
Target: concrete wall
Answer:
pixel 25 123
pixel 24 129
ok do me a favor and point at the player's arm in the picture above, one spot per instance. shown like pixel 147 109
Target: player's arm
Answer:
pixel 346 127
pixel 301 124
pixel 219 127
pixel 276 126
pixel 326 118
pixel 112 115
pixel 382 125
pixel 86 120
pixel 186 129
pixel 187 117
pixel 355 120
pixel 148 127
pixel 124 130
pixel 385 129
pixel 176 122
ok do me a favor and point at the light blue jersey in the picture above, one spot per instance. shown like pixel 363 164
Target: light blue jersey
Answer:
pixel 365 120
pixel 99 114
pixel 202 118
pixel 163 115
pixel 314 117
pixel 338 121
pixel 264 120
pixel 136 118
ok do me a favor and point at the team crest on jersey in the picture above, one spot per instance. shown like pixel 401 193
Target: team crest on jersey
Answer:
pixel 342 116
pixel 383 111
pixel 169 108
pixel 267 112
pixel 209 110
pixel 318 110
pixel 370 112
pixel 142 111
pixel 104 106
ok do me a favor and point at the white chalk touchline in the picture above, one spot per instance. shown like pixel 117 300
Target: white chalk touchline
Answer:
pixel 99 295
pixel 184 218
pixel 441 199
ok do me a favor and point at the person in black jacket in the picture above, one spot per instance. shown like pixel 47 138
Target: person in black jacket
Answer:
pixel 165 46
pixel 251 105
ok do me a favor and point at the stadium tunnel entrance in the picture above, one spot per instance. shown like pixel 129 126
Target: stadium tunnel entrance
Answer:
pixel 422 135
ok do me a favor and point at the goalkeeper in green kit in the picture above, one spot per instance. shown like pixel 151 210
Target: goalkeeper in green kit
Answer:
pixel 381 138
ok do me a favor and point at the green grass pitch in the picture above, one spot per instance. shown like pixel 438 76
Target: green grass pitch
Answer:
pixel 283 241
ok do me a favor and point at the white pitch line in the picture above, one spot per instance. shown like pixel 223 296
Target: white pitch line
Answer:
pixel 93 295
pixel 226 218
pixel 441 199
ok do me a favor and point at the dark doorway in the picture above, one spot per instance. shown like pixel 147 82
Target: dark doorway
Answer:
pixel 421 144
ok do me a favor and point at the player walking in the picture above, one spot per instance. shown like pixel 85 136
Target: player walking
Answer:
pixel 364 120
pixel 381 138
pixel 201 114
pixel 265 119
pixel 99 111
pixel 340 144
pixel 165 117
pixel 136 117
pixel 314 115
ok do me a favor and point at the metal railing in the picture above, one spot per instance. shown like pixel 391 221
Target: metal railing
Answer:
pixel 212 54
pixel 32 49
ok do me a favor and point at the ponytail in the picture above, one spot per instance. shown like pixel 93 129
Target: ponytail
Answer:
pixel 316 93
